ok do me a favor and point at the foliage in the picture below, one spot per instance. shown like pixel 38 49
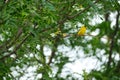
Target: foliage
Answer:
pixel 27 27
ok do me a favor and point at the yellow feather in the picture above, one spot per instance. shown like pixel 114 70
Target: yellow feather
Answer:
pixel 82 31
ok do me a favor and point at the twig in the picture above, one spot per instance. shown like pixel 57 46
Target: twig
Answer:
pixel 53 52
pixel 73 16
pixel 16 48
pixel 5 46
pixel 16 38
pixel 51 57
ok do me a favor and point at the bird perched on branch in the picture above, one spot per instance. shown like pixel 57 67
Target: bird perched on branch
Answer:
pixel 82 31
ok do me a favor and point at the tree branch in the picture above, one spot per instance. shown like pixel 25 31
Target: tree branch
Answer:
pixel 51 57
pixel 53 51
pixel 19 32
pixel 73 16
pixel 113 40
pixel 16 48
pixel 5 46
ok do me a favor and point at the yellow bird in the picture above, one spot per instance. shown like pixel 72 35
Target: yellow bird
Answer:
pixel 82 31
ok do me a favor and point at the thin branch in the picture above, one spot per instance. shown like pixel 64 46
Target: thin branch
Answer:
pixel 19 32
pixel 16 48
pixel 113 40
pixel 5 46
pixel 51 57
pixel 73 16
pixel 53 51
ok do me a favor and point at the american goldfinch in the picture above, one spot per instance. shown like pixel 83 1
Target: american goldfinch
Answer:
pixel 82 31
